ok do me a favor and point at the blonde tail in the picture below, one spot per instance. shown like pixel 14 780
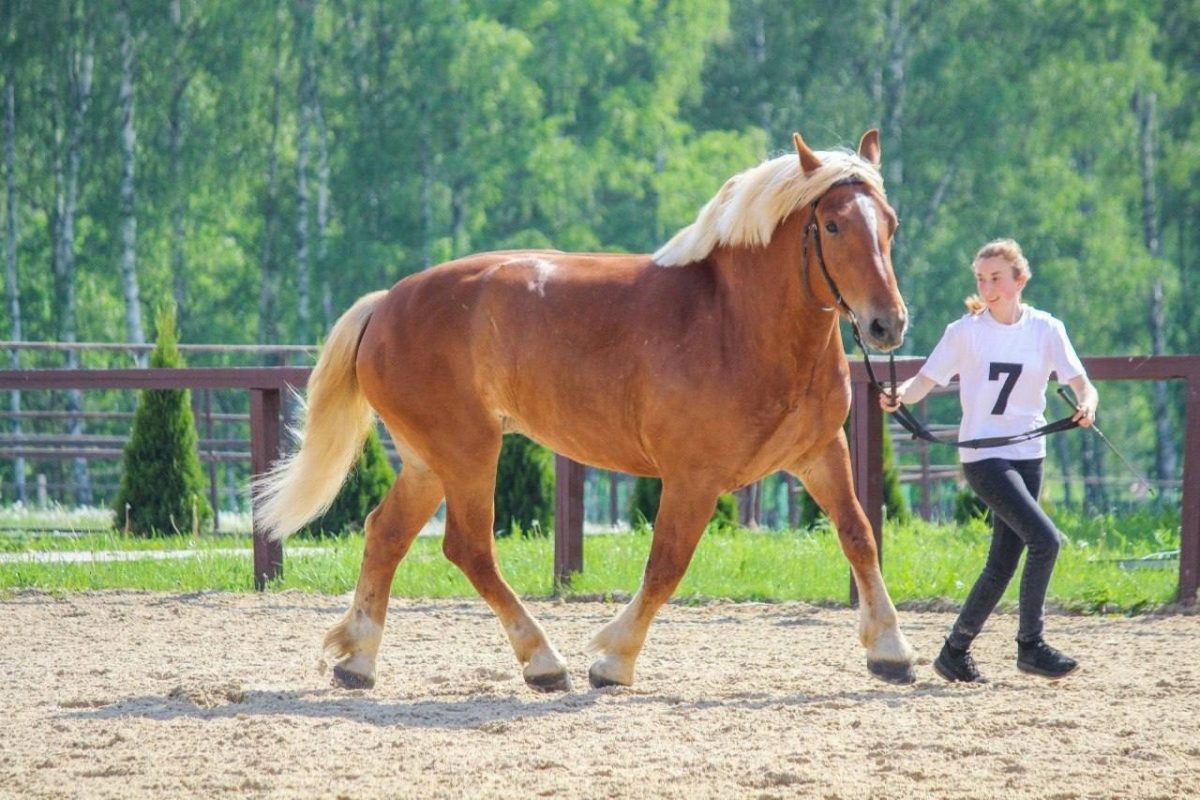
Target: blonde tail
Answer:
pixel 336 420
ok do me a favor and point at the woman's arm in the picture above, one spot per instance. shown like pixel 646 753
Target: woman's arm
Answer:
pixel 911 391
pixel 1087 400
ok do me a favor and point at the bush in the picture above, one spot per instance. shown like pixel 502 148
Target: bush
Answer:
pixel 643 503
pixel 893 499
pixel 364 489
pixel 162 485
pixel 524 488
pixel 967 506
pixel 647 494
pixel 725 517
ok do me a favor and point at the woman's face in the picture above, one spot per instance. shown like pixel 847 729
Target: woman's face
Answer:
pixel 997 286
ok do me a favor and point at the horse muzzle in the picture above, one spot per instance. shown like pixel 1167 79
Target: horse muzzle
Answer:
pixel 885 331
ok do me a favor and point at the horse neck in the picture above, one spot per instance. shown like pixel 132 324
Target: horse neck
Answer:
pixel 765 289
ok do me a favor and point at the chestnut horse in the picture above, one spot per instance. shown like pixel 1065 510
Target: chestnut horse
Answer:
pixel 710 364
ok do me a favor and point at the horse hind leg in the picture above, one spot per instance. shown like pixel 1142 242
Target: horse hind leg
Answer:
pixel 682 517
pixel 390 531
pixel 470 545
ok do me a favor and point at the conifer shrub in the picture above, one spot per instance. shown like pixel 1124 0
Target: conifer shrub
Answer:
pixel 524 488
pixel 162 484
pixel 643 501
pixel 365 488
pixel 895 506
pixel 968 506
pixel 647 494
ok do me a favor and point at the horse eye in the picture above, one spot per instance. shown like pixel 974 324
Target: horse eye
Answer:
pixel 831 227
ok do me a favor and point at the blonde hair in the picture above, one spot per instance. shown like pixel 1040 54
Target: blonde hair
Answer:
pixel 747 209
pixel 1010 251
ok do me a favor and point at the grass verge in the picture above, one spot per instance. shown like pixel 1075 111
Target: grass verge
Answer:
pixel 923 563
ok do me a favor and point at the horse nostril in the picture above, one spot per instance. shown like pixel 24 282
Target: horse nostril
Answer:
pixel 879 331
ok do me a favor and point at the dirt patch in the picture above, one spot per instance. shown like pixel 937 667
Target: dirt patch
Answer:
pixel 150 695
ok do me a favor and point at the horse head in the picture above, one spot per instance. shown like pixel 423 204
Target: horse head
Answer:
pixel 849 239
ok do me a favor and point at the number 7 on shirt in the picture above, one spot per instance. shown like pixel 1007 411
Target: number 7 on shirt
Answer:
pixel 1011 373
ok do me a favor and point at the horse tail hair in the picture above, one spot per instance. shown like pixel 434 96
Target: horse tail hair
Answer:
pixel 337 418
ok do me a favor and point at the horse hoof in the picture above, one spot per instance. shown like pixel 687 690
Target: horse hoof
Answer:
pixel 346 679
pixel 892 671
pixel 599 681
pixel 550 682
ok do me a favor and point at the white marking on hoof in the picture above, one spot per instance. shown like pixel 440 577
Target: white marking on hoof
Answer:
pixel 355 672
pixel 890 646
pixel 611 670
pixel 545 661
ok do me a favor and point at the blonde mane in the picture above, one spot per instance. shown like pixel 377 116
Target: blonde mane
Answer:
pixel 752 203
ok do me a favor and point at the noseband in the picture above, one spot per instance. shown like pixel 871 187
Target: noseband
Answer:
pixel 902 414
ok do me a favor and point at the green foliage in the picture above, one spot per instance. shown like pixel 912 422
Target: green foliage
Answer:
pixel 647 494
pixel 893 499
pixel 594 125
pixel 643 503
pixel 968 506
pixel 365 487
pixel 162 486
pixel 725 517
pixel 524 488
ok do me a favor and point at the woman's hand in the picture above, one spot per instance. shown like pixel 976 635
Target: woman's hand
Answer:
pixel 910 391
pixel 1088 400
pixel 1085 415
pixel 889 403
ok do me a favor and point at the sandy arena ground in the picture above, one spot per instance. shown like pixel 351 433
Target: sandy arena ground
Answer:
pixel 130 695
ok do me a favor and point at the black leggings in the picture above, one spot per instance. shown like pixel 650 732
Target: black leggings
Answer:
pixel 1010 489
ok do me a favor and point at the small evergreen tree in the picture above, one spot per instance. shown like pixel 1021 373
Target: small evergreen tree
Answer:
pixel 725 517
pixel 162 485
pixel 365 488
pixel 647 494
pixel 893 499
pixel 968 506
pixel 524 488
pixel 643 502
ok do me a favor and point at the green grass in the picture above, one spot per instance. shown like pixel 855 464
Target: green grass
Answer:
pixel 922 563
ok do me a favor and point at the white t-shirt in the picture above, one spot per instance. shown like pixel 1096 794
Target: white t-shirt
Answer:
pixel 1003 371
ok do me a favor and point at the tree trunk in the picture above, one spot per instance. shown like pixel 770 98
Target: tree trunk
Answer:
pixel 268 298
pixel 893 84
pixel 80 62
pixel 133 304
pixel 179 201
pixel 10 256
pixel 1165 457
pixel 303 19
pixel 322 203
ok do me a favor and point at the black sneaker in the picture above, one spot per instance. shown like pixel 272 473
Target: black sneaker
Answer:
pixel 957 666
pixel 1039 658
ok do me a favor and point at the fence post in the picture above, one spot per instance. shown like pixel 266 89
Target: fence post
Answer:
pixel 568 519
pixel 1189 512
pixel 264 451
pixel 866 459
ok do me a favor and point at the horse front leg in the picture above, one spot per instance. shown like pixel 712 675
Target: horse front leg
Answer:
pixel 827 478
pixel 683 514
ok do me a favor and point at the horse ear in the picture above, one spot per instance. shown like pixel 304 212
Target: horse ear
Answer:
pixel 808 159
pixel 868 147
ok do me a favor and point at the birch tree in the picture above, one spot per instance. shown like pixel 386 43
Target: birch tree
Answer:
pixel 129 276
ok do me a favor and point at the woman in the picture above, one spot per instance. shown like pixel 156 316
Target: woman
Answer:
pixel 1003 352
